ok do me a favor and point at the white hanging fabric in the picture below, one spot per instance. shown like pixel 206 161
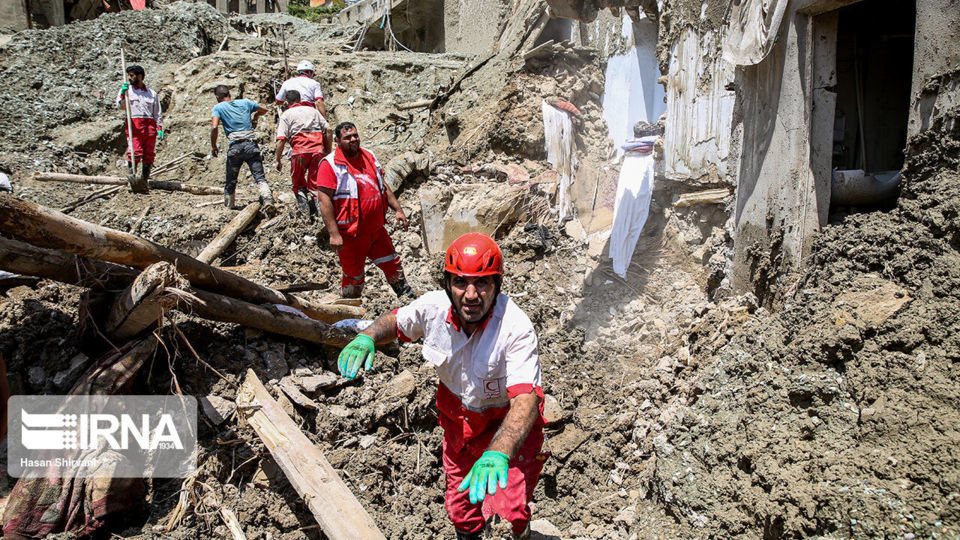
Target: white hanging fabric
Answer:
pixel 632 204
pixel 559 144
pixel 752 30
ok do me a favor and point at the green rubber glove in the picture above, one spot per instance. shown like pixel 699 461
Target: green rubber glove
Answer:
pixel 486 474
pixel 160 134
pixel 124 88
pixel 358 352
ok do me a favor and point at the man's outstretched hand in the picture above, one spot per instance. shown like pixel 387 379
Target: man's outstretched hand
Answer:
pixel 358 352
pixel 488 473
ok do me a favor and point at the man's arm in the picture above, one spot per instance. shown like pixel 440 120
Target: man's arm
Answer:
pixel 325 199
pixel 394 204
pixel 384 329
pixel 214 132
pixel 261 110
pixel 523 413
pixel 279 164
pixel 321 107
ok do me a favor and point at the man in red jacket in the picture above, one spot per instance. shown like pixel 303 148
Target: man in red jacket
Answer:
pixel 353 203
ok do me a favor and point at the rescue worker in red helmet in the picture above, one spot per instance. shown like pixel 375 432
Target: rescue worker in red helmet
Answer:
pixel 484 349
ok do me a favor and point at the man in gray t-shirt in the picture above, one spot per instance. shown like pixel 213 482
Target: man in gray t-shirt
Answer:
pixel 239 118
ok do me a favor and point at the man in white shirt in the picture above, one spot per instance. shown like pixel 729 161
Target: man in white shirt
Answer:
pixel 146 121
pixel 305 129
pixel 304 83
pixel 490 400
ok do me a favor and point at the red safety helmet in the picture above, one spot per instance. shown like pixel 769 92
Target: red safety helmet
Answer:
pixel 474 255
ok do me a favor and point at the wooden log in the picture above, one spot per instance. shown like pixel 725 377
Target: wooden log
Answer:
pixel 22 258
pixel 336 509
pixel 48 228
pixel 217 307
pixel 709 196
pixel 142 303
pixel 229 233
pixel 120 181
pixel 414 105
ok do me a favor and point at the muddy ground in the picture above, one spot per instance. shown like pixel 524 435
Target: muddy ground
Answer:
pixel 680 415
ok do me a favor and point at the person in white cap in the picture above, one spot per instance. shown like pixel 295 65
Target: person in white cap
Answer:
pixel 304 83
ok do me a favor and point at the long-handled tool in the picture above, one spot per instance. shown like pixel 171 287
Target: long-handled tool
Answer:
pixel 137 183
pixel 286 67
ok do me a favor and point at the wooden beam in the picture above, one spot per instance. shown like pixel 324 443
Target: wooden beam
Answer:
pixel 337 510
pixel 22 258
pixel 217 307
pixel 120 181
pixel 48 228
pixel 229 233
pixel 708 196
pixel 141 304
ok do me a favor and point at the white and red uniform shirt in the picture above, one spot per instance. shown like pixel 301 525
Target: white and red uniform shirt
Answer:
pixel 144 103
pixel 309 89
pixel 478 373
pixel 303 127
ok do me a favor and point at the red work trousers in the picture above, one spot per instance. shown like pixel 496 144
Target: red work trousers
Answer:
pixel 375 246
pixel 511 503
pixel 303 171
pixel 144 139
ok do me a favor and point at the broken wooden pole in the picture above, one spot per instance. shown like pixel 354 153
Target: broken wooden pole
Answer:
pixel 48 228
pixel 229 233
pixel 120 181
pixel 217 307
pixel 337 510
pixel 709 196
pixel 25 259
pixel 142 304
pixel 423 103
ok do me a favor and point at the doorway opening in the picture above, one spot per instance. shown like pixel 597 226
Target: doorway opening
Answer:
pixel 875 40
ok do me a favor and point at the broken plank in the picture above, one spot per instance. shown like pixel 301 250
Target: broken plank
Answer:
pixel 543 49
pixel 229 518
pixel 140 305
pixel 229 233
pixel 709 196
pixel 336 509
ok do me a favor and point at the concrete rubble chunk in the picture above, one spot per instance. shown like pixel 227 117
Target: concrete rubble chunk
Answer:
pixel 450 211
pixel 78 364
pixel 543 529
pixel 552 410
pixel 401 386
pixel 314 383
pixel 216 408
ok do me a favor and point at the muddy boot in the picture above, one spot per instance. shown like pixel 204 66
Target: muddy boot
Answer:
pixel 314 208
pixel 229 200
pixel 469 536
pixel 402 288
pixel 138 184
pixel 351 291
pixel 266 196
pixel 303 205
pixel 525 535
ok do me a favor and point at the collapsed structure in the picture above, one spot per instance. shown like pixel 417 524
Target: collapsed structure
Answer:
pixel 778 350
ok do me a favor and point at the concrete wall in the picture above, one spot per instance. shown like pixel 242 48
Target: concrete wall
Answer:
pixel 936 50
pixel 13 16
pixel 472 26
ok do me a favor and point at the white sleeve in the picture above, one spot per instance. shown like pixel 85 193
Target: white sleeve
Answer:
pixel 317 92
pixel 412 319
pixel 523 362
pixel 281 94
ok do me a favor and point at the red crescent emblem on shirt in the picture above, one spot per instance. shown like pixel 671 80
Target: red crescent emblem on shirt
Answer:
pixel 491 387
